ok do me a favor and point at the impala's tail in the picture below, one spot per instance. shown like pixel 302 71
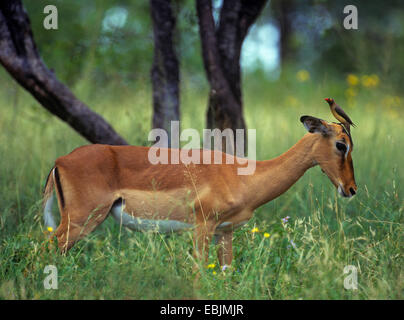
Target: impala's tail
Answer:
pixel 48 199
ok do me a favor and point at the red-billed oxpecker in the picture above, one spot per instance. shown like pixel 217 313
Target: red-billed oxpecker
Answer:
pixel 340 115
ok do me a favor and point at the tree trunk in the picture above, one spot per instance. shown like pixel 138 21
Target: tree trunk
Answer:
pixel 221 51
pixel 283 11
pixel 20 57
pixel 164 73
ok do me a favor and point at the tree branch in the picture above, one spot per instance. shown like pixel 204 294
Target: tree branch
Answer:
pixel 20 57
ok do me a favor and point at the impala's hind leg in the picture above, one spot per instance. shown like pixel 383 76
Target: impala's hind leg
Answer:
pixel 77 225
pixel 83 203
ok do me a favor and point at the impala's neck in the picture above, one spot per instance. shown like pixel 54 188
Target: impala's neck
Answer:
pixel 274 177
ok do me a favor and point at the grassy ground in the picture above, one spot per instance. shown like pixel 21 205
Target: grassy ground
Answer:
pixel 328 232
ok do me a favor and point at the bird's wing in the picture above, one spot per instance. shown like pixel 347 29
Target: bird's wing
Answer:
pixel 341 112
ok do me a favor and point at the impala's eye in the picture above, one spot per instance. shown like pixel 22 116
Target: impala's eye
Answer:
pixel 341 147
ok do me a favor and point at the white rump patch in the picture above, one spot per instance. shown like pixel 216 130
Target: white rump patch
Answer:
pixel 48 217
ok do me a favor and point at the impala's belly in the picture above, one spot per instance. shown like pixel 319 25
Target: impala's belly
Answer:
pixel 162 226
pixel 157 225
pixel 157 205
pixel 140 224
pixel 158 211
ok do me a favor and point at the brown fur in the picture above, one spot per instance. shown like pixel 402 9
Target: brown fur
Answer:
pixel 93 177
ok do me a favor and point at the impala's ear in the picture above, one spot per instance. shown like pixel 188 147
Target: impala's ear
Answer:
pixel 314 125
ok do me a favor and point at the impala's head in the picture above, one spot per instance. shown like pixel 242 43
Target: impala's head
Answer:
pixel 332 151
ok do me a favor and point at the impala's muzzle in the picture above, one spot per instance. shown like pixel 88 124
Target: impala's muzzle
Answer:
pixel 348 192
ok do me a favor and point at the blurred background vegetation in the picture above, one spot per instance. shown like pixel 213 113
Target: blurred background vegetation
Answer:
pixel 108 45
pixel 112 41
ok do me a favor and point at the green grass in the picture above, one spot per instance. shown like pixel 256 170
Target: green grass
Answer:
pixel 329 232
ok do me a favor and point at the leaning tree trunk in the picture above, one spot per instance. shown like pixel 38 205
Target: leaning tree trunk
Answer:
pixel 221 50
pixel 165 73
pixel 19 56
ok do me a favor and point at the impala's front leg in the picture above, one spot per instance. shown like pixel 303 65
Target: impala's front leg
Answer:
pixel 203 236
pixel 225 250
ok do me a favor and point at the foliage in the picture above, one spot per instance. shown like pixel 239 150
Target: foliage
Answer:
pixel 89 42
pixel 328 232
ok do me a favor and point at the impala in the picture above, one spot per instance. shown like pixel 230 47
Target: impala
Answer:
pixel 97 180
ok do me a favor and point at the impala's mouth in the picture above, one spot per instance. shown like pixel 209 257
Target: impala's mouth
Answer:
pixel 339 186
pixel 342 192
pixel 353 192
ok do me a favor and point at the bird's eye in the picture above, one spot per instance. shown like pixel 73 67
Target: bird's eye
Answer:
pixel 341 147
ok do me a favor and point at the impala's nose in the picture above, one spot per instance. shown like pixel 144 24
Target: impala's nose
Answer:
pixel 345 193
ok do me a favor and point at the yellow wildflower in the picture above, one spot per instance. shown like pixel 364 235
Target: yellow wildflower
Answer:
pixel 303 75
pixel 292 101
pixel 266 235
pixel 352 79
pixel 50 229
pixel 211 266
pixel 350 92
pixel 255 230
pixel 391 101
pixel 370 81
pixel 214 272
